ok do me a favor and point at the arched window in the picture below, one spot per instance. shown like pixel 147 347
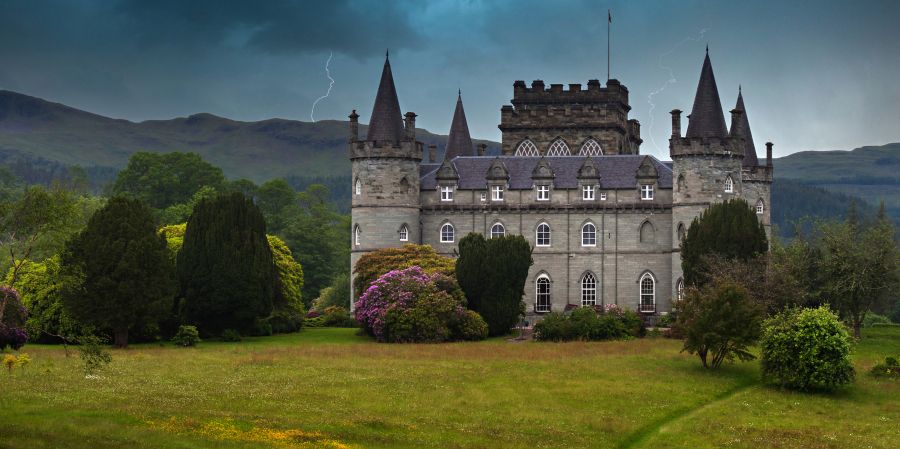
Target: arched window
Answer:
pixel 591 148
pixel 447 233
pixel 497 230
pixel 679 289
pixel 648 234
pixel 542 235
pixel 729 184
pixel 648 293
pixel 760 207
pixel 358 187
pixel 682 184
pixel 558 148
pixel 356 235
pixel 588 290
pixel 404 233
pixel 527 148
pixel 682 232
pixel 588 235
pixel 542 294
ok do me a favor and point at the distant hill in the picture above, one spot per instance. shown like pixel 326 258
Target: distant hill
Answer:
pixel 39 130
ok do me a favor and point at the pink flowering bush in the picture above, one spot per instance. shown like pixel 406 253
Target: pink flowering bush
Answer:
pixel 12 326
pixel 406 306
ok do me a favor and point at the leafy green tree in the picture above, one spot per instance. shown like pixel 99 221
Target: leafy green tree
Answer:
pixel 719 322
pixel 166 179
pixel 806 349
pixel 497 288
pixel 179 213
pixel 278 202
pixel 41 285
pixel 335 295
pixel 729 230
pixel 859 267
pixel 125 273
pixel 288 310
pixel 225 268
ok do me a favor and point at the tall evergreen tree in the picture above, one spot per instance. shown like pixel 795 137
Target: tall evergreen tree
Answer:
pixel 126 275
pixel 492 273
pixel 729 230
pixel 225 267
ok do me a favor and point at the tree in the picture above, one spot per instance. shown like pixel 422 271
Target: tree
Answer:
pixel 28 220
pixel 806 349
pixel 225 268
pixel 288 310
pixel 719 322
pixel 165 179
pixel 278 202
pixel 372 265
pixel 124 273
pixel 41 285
pixel 859 266
pixel 494 272
pixel 335 295
pixel 729 229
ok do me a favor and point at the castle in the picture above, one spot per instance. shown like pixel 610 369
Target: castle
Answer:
pixel 605 221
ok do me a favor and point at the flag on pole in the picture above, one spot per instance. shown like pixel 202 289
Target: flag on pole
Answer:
pixel 609 15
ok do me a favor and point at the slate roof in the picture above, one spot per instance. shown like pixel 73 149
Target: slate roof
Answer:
pixel 707 118
pixel 459 142
pixel 616 171
pixel 742 129
pixel 387 120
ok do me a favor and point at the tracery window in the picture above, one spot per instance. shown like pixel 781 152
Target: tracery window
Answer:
pixel 648 293
pixel 729 185
pixel 588 290
pixel 591 148
pixel 542 294
pixel 527 148
pixel 404 233
pixel 558 148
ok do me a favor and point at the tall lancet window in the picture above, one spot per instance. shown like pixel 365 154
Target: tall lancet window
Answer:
pixel 558 148
pixel 527 148
pixel 729 185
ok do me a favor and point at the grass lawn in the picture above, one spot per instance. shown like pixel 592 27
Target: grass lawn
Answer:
pixel 331 388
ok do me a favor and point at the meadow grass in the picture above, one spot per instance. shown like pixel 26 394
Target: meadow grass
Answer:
pixel 332 388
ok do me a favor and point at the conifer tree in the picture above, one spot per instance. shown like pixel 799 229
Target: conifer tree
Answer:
pixel 126 275
pixel 225 268
pixel 728 230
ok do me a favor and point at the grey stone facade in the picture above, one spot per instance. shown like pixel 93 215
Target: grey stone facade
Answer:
pixel 618 236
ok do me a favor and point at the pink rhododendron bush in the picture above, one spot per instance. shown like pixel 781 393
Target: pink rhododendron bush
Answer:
pixel 410 306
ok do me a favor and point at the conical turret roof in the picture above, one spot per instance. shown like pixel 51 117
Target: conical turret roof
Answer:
pixel 387 120
pixel 707 118
pixel 459 142
pixel 741 128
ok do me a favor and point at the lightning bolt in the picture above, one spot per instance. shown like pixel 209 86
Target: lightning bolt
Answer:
pixel 312 112
pixel 670 80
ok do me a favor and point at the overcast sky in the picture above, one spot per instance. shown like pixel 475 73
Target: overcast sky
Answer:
pixel 815 75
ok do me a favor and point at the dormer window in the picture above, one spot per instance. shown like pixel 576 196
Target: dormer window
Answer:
pixel 729 185
pixel 543 193
pixel 587 193
pixel 646 192
pixel 497 193
pixel 446 193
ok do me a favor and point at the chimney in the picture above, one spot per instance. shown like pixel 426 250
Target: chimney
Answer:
pixel 432 153
pixel 769 153
pixel 354 126
pixel 676 123
pixel 410 123
pixel 481 148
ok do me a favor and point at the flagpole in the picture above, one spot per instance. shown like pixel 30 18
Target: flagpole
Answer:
pixel 608 25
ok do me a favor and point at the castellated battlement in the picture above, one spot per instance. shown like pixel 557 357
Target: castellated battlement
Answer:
pixel 614 92
pixel 404 149
pixel 685 146
pixel 760 173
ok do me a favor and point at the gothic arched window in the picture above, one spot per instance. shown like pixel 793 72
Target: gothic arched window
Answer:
pixel 527 148
pixel 679 289
pixel 542 235
pixel 648 235
pixel 497 230
pixel 591 148
pixel 682 232
pixel 558 148
pixel 682 184
pixel 647 293
pixel 760 207
pixel 729 184
pixel 542 294
pixel 404 233
pixel 358 187
pixel 589 235
pixel 588 290
pixel 356 235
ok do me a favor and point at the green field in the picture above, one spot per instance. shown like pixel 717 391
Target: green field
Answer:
pixel 331 388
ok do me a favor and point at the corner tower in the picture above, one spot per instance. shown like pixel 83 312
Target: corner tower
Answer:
pixel 706 163
pixel 756 178
pixel 385 207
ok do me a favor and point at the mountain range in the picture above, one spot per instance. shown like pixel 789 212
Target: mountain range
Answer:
pixel 51 136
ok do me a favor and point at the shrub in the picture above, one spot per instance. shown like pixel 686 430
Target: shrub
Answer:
pixel 409 305
pixel 336 294
pixel 14 317
pixel 230 335
pixel 314 322
pixel 806 349
pixel 890 368
pixel 372 265
pixel 719 322
pixel 873 319
pixel 93 355
pixel 186 336
pixel 554 327
pixel 471 327
pixel 586 323
pixel 9 361
pixel 666 320
pixel 336 316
